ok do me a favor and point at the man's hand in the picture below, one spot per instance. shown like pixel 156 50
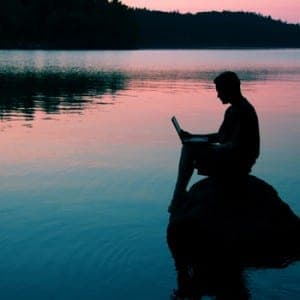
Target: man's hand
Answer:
pixel 184 134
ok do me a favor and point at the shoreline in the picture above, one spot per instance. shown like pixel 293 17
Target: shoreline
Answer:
pixel 153 48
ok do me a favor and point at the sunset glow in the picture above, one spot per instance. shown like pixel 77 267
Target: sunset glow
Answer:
pixel 286 10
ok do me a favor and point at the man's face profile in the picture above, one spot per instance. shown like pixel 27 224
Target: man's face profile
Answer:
pixel 222 95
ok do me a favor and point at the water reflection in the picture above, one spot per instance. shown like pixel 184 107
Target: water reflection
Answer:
pixel 66 81
pixel 24 93
pixel 55 91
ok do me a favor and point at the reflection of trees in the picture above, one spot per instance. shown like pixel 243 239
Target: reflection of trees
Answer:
pixel 53 91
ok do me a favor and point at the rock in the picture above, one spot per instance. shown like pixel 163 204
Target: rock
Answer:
pixel 232 225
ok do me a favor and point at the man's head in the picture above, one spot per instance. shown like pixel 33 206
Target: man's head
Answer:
pixel 228 87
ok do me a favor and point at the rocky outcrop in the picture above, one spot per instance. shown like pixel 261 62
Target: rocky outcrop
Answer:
pixel 230 225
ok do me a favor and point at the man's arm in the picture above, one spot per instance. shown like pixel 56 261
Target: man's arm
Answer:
pixel 212 137
pixel 235 140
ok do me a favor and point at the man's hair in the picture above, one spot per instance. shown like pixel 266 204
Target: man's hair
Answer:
pixel 229 81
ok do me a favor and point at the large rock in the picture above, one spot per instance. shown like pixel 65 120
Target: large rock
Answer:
pixel 232 224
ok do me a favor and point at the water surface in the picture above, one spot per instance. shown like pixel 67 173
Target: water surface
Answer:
pixel 89 160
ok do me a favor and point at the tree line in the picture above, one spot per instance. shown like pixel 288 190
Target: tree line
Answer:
pixel 103 24
pixel 214 29
pixel 67 24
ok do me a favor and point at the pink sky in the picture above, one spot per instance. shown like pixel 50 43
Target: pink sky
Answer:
pixel 286 10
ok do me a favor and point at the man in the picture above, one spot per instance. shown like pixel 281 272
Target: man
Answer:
pixel 232 151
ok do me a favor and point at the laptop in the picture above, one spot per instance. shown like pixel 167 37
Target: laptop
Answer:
pixel 191 139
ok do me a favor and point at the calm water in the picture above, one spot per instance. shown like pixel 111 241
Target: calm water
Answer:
pixel 89 157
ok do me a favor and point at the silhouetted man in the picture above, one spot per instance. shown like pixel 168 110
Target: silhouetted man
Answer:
pixel 229 153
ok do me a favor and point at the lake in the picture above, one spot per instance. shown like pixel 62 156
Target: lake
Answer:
pixel 89 159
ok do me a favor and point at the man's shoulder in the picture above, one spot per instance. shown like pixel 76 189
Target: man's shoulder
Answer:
pixel 244 107
pixel 244 111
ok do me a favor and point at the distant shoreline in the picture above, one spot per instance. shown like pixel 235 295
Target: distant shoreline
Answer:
pixel 104 25
pixel 155 48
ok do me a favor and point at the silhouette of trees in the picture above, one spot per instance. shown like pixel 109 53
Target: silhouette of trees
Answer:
pixel 213 29
pixel 103 24
pixel 66 24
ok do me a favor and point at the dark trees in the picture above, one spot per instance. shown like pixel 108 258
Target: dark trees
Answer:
pixel 66 24
pixel 103 24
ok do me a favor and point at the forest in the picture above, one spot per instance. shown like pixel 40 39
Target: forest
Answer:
pixel 213 29
pixel 66 24
pixel 103 24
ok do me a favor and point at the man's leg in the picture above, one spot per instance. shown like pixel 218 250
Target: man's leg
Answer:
pixel 185 172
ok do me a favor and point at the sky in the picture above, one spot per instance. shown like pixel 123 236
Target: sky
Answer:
pixel 285 10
